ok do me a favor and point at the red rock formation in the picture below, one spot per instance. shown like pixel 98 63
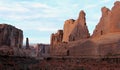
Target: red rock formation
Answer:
pixel 57 38
pixel 105 40
pixel 76 29
pixel 68 27
pixel 109 22
pixel 10 36
pixel 106 37
pixel 115 18
pixel 73 30
pixel 80 30
pixel 103 25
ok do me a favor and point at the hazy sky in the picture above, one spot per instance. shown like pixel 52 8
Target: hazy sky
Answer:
pixel 39 18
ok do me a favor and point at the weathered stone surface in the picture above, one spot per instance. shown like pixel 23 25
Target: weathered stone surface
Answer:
pixel 68 27
pixel 10 36
pixel 81 19
pixel 76 29
pixel 115 18
pixel 85 49
pixel 108 44
pixel 105 45
pixel 103 25
pixel 57 38
pixel 79 32
pixel 73 30
pixel 109 22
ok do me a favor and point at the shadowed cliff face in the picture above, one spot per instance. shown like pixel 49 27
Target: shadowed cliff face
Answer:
pixel 10 36
pixel 11 40
pixel 104 41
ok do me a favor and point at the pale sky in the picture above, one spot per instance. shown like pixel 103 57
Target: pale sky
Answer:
pixel 40 18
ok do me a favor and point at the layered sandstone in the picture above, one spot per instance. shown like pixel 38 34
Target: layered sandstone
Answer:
pixel 10 36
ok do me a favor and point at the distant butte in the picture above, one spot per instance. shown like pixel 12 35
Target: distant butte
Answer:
pixel 105 40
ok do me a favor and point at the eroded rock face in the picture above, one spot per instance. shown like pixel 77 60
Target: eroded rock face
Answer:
pixel 57 38
pixel 10 36
pixel 109 22
pixel 68 27
pixel 103 25
pixel 76 29
pixel 115 17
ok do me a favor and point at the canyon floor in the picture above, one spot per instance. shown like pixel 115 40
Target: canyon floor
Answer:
pixel 58 63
